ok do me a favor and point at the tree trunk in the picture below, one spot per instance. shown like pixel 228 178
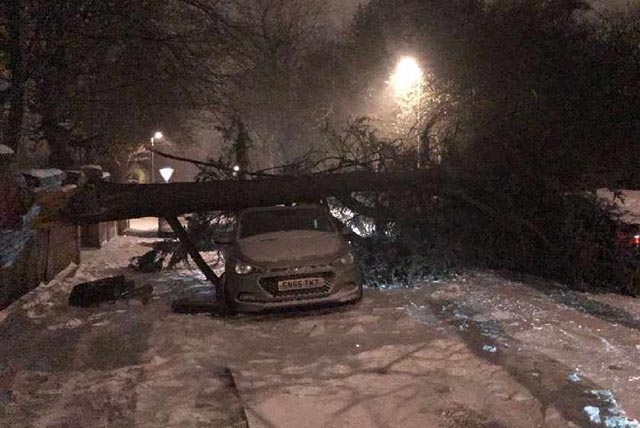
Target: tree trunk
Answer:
pixel 123 201
pixel 57 139
pixel 16 66
pixel 58 155
pixel 191 249
pixel 241 146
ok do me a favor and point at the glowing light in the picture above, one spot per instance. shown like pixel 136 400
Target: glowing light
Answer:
pixel 406 78
pixel 166 173
pixel 236 168
pixel 158 135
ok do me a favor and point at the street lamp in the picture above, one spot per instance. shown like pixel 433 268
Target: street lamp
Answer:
pixel 407 78
pixel 407 82
pixel 157 136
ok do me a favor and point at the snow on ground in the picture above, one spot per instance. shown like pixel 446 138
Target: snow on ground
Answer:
pixel 484 350
pixel 144 224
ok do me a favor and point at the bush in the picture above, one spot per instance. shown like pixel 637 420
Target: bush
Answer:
pixel 571 238
pixel 387 262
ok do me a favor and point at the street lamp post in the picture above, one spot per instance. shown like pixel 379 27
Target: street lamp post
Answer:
pixel 157 136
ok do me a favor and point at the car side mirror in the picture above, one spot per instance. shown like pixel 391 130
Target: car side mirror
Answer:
pixel 225 239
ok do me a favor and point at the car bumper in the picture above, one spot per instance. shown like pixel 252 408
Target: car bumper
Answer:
pixel 258 292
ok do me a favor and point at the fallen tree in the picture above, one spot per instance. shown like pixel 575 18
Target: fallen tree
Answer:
pixel 112 201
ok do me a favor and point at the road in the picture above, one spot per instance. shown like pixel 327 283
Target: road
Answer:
pixel 483 350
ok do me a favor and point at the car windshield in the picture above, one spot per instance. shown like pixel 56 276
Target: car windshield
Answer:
pixel 268 221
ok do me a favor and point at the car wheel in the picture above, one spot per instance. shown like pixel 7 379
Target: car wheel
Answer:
pixel 359 297
pixel 223 296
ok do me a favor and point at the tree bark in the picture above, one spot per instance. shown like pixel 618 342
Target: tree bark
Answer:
pixel 123 201
pixel 16 66
pixel 58 157
pixel 191 249
pixel 241 147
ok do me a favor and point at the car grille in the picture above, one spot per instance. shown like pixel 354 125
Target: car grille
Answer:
pixel 270 285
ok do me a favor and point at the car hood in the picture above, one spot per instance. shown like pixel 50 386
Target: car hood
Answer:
pixel 293 246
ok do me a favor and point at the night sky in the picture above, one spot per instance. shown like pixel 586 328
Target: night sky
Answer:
pixel 344 9
pixel 613 3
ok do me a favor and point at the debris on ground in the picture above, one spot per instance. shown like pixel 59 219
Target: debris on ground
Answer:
pixel 107 290
pixel 574 376
pixel 615 417
pixel 593 413
pixel 151 261
pixel 489 348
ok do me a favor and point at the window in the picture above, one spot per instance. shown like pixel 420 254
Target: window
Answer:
pixel 269 221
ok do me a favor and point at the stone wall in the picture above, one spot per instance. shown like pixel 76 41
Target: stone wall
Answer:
pixel 30 255
pixel 35 256
pixel 94 235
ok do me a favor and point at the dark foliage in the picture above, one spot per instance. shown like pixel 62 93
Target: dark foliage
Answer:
pixel 388 263
pixel 572 239
pixel 538 106
pixel 533 106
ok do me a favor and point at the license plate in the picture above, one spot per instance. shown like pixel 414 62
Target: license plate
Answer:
pixel 300 284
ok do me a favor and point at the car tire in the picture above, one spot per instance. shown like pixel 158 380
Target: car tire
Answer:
pixel 358 299
pixel 228 307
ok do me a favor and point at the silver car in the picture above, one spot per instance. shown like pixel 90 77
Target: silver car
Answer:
pixel 288 256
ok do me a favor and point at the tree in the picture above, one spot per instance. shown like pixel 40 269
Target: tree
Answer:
pixel 276 93
pixel 102 75
pixel 13 11
pixel 537 101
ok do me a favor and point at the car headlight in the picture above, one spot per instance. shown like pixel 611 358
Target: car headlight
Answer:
pixel 347 259
pixel 243 268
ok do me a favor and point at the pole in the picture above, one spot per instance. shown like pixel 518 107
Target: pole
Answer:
pixel 193 251
pixel 153 162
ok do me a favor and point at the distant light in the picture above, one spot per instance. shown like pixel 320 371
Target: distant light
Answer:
pixel 407 77
pixel 166 173
pixel 158 135
pixel 236 168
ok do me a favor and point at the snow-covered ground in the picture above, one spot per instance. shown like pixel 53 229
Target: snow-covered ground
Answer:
pixel 484 350
pixel 144 224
